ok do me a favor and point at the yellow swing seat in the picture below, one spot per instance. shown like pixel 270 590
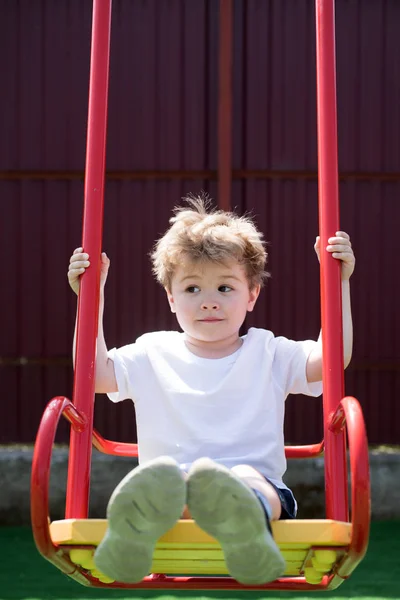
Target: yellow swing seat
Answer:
pixel 310 547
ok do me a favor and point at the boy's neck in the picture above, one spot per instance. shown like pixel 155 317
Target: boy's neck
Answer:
pixel 219 349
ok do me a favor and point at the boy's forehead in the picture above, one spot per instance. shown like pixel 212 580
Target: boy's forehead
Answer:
pixel 203 268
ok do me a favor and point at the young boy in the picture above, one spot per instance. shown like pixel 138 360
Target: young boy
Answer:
pixel 209 403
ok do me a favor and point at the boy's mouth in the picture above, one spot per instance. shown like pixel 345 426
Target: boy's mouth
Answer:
pixel 210 320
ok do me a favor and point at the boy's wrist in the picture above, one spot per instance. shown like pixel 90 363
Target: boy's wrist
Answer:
pixel 101 301
pixel 346 286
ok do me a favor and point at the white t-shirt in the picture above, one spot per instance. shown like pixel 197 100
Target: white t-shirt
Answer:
pixel 229 409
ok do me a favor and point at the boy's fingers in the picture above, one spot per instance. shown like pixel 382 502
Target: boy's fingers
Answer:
pixel 74 274
pixel 79 257
pixel 340 240
pixel 76 267
pixel 79 264
pixel 342 234
pixel 338 248
pixel 344 256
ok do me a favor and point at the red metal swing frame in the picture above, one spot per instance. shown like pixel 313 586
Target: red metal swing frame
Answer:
pixel 339 413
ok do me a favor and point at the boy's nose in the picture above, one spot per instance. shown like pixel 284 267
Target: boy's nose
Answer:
pixel 210 305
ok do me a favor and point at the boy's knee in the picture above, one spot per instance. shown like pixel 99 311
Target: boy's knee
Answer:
pixel 245 471
pixel 257 481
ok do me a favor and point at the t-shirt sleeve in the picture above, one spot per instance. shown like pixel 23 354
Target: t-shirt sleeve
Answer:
pixel 290 362
pixel 127 361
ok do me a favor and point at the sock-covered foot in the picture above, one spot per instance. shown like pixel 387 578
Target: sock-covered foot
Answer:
pixel 226 508
pixel 144 506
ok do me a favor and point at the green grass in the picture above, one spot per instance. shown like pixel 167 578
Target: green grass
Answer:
pixel 24 574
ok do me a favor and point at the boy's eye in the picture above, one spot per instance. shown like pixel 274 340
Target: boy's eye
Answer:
pixel 193 289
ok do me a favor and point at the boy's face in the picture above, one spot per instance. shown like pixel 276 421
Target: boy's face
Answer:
pixel 211 300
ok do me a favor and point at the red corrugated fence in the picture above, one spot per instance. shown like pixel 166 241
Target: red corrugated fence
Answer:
pixel 162 144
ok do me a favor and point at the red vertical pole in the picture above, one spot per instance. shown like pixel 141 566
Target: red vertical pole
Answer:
pixel 331 304
pixel 225 106
pixel 88 305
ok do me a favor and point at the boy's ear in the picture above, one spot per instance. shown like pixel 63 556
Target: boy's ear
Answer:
pixel 253 295
pixel 170 300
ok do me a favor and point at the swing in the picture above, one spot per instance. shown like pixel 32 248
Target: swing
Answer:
pixel 320 554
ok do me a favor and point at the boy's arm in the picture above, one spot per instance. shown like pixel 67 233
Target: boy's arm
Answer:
pixel 314 362
pixel 106 382
pixel 340 247
pixel 105 374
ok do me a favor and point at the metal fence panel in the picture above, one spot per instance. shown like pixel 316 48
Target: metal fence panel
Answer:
pixel 162 144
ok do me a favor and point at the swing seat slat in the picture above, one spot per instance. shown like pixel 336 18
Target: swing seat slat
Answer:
pixel 186 549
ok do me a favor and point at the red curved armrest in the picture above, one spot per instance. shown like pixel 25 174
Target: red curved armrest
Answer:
pixel 349 414
pixel 40 482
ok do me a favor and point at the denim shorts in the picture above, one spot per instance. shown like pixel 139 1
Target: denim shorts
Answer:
pixel 289 508
pixel 288 503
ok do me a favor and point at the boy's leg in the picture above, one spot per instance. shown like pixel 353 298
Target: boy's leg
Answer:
pixel 227 508
pixel 145 504
pixel 258 483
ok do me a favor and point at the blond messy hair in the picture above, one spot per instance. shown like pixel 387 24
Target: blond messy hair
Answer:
pixel 201 234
